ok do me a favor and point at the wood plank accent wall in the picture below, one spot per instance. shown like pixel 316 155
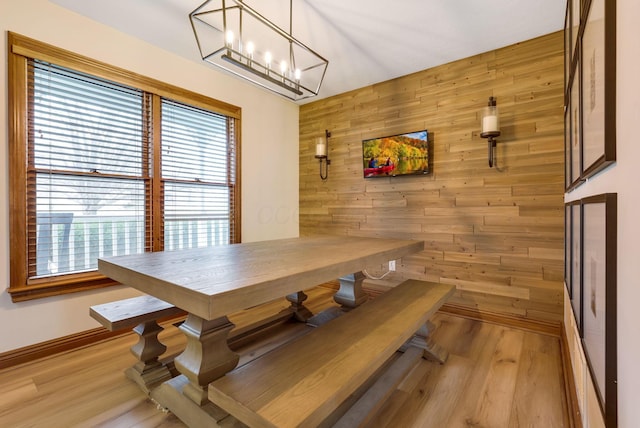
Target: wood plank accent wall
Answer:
pixel 496 233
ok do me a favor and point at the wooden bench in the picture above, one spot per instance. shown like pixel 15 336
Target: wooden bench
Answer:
pixel 141 314
pixel 306 382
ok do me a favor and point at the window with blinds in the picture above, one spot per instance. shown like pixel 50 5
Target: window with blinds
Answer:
pixel 110 166
pixel 197 160
pixel 87 172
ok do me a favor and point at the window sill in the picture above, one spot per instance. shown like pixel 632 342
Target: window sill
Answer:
pixel 56 288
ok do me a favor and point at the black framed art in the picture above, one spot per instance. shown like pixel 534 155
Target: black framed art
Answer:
pixel 575 137
pixel 576 262
pixel 599 276
pixel 575 6
pixel 590 278
pixel 598 87
pixel 590 88
pixel 567 248
pixel 568 47
pixel 567 146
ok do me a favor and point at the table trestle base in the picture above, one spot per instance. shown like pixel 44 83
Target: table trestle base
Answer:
pixel 206 356
pixel 351 294
pixel 170 396
pixel 423 340
pixel 300 312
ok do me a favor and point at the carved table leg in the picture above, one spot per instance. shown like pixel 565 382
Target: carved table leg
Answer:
pixel 300 312
pixel 148 371
pixel 350 294
pixel 206 356
pixel 422 339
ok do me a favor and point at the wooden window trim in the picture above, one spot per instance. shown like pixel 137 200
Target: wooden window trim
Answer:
pixel 29 48
pixel 20 49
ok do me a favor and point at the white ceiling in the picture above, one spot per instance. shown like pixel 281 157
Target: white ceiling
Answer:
pixel 365 41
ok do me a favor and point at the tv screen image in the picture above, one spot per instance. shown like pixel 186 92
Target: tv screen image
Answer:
pixel 401 154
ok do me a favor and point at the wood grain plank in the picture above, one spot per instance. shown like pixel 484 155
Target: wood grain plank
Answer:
pixel 128 313
pixel 496 395
pixel 540 356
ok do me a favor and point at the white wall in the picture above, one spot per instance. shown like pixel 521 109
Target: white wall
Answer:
pixel 624 178
pixel 269 136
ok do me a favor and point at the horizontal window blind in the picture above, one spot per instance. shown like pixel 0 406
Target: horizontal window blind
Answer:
pixel 198 183
pixel 88 170
pixel 85 124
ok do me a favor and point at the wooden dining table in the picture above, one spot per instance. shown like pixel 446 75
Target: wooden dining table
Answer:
pixel 211 283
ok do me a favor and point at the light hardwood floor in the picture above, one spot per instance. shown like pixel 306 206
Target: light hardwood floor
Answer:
pixel 496 376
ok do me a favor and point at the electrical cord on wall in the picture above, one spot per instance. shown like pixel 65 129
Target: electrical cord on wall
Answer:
pixel 364 271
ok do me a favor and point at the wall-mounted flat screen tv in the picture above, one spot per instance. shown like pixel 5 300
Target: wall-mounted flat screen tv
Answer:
pixel 396 155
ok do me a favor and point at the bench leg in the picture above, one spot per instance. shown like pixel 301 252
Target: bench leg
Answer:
pixel 422 339
pixel 148 371
pixel 300 312
pixel 206 356
pixel 351 295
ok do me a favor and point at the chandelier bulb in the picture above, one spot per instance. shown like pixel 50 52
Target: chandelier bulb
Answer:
pixel 283 67
pixel 250 48
pixel 229 38
pixel 267 59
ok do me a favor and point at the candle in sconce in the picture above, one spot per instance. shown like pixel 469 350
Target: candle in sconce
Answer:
pixel 489 123
pixel 321 147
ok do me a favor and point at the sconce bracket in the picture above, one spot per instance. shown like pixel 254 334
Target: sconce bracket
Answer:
pixel 491 145
pixel 490 135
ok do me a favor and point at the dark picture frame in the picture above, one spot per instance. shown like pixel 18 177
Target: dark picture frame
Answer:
pixel 567 248
pixel 567 145
pixel 590 88
pixel 575 14
pixel 575 267
pixel 599 276
pixel 568 49
pixel 575 121
pixel 598 85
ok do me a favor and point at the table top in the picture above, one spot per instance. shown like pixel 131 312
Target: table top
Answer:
pixel 216 281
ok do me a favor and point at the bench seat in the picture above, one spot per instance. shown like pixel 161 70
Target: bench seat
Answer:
pixel 304 382
pixel 141 314
pixel 128 313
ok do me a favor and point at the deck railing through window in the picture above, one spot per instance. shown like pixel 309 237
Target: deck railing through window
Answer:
pixel 68 243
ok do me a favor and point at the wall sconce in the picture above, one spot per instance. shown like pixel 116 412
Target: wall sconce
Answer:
pixel 490 127
pixel 322 150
